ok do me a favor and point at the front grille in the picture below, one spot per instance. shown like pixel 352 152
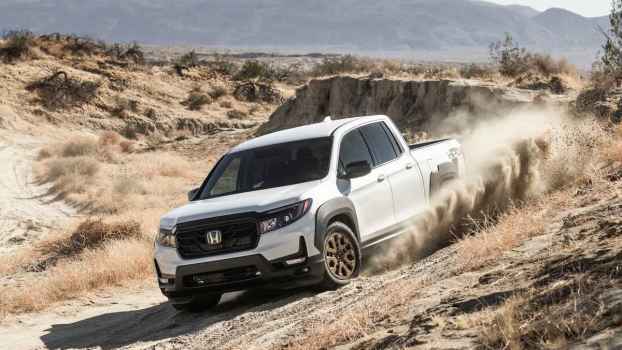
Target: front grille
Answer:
pixel 239 274
pixel 237 235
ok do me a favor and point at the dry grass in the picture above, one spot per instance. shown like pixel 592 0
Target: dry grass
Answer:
pixel 548 318
pixel 97 175
pixel 117 263
pixel 490 240
pixel 105 176
pixel 359 320
pixel 613 150
pixel 90 234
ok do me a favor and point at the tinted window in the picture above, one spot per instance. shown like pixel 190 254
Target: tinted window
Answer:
pixel 353 149
pixel 267 167
pixel 379 143
pixel 396 145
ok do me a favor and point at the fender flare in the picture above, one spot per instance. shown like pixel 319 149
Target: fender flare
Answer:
pixel 329 210
pixel 445 172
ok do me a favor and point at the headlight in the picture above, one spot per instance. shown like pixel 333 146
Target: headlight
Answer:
pixel 166 238
pixel 282 217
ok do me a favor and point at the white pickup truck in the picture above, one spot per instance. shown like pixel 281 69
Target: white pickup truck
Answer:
pixel 298 207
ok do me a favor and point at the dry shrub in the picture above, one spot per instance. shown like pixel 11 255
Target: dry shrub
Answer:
pixel 257 92
pixel 549 317
pixel 236 114
pixel 514 60
pixel 341 64
pixel 127 146
pixel 44 153
pixel 217 92
pixel 128 185
pixel 90 234
pixel 59 91
pixel 253 109
pixel 492 238
pixel 109 138
pixel 477 71
pixel 225 104
pixel 116 263
pixel 196 101
pixel 612 150
pixel 80 147
pixel 253 69
pixel 76 168
pixel 17 45
pixel 122 106
pixel 151 114
pixel 163 164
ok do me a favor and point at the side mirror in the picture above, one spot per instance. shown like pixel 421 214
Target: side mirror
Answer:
pixel 192 193
pixel 357 169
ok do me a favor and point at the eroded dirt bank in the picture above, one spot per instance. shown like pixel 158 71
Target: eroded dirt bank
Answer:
pixel 416 105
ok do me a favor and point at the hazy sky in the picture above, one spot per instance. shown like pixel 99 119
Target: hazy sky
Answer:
pixel 589 8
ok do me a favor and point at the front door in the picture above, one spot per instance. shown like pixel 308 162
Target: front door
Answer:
pixel 370 194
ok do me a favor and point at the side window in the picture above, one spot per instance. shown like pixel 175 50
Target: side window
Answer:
pixel 228 181
pixel 396 145
pixel 353 149
pixel 379 143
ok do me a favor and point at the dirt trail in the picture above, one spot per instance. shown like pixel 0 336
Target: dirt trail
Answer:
pixel 27 210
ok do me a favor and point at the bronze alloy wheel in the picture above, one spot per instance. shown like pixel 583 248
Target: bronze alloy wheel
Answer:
pixel 340 255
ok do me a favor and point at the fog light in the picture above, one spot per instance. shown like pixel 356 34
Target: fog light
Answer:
pixel 163 280
pixel 295 261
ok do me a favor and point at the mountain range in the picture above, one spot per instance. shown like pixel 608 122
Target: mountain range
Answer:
pixel 396 26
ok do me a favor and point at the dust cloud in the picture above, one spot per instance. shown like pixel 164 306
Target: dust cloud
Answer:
pixel 509 160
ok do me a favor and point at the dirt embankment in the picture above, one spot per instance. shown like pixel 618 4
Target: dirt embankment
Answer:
pixel 413 105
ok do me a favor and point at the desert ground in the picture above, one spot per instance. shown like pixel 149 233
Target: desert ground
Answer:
pixel 97 141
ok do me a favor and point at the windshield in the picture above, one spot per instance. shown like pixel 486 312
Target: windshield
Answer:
pixel 268 167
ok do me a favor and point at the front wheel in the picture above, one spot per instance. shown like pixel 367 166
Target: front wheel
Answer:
pixel 342 256
pixel 199 303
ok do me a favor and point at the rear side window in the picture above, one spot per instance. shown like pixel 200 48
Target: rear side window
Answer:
pixel 396 145
pixel 379 143
pixel 353 149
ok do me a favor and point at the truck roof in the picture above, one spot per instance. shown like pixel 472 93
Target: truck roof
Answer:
pixel 311 131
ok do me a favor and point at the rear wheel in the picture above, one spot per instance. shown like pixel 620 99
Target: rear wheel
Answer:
pixel 199 303
pixel 342 256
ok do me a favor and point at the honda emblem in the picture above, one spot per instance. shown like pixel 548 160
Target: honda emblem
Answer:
pixel 213 237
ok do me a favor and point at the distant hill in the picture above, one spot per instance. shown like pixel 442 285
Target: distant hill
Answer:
pixel 324 25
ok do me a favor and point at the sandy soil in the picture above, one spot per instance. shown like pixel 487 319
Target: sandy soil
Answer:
pixel 27 209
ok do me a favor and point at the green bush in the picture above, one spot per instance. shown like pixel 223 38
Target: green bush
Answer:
pixel 253 69
pixel 514 60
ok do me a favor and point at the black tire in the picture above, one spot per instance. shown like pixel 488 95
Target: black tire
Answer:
pixel 342 256
pixel 199 303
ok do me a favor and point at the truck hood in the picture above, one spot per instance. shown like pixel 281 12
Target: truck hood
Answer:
pixel 254 201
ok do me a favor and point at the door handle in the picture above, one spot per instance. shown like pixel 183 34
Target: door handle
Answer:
pixel 381 178
pixel 409 166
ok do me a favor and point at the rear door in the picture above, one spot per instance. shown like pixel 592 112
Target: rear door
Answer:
pixel 370 194
pixel 400 170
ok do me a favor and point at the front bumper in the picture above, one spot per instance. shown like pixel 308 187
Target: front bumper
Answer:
pixel 241 273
